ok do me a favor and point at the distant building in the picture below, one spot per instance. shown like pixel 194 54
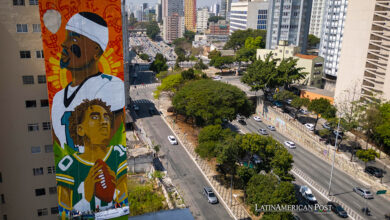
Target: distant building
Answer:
pixel 202 17
pixel 288 21
pixel 310 63
pixel 317 15
pixel 215 9
pixel 173 19
pixel 248 14
pixel 219 28
pixel 190 15
pixel 225 8
pixel 202 40
pixel 158 12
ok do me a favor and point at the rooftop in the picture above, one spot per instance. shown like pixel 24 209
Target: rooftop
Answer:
pixel 306 56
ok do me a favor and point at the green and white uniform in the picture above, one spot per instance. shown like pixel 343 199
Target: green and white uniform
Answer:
pixel 72 170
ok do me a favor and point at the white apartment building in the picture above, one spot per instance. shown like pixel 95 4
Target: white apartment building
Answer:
pixel 289 20
pixel 364 68
pixel 248 14
pixel 202 16
pixel 317 15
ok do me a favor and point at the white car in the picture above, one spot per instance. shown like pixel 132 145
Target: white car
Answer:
pixel 309 126
pixel 217 77
pixel 271 128
pixel 290 144
pixel 303 111
pixel 307 194
pixel 257 118
pixel 172 139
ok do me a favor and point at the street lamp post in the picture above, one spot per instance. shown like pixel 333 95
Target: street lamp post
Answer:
pixel 334 155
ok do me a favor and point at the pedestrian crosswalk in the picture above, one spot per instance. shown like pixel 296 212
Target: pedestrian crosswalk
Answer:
pixel 140 86
pixel 142 101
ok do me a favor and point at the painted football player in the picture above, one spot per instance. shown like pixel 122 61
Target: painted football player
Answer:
pixel 96 177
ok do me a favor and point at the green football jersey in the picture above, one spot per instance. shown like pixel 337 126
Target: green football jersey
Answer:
pixel 72 170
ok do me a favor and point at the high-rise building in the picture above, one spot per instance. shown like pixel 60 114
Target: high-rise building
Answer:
pixel 215 9
pixel 317 15
pixel 190 14
pixel 158 12
pixel 225 8
pixel 220 27
pixel 332 39
pixel 202 16
pixel 173 19
pixel 248 14
pixel 364 68
pixel 288 21
pixel 27 169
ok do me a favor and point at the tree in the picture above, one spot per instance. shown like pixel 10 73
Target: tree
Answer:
pixel 152 30
pixel 200 65
pixel 221 62
pixel 245 55
pixel 298 102
pixel 142 199
pixel 322 107
pixel 170 84
pixel 367 155
pixel 189 35
pixel 283 95
pixel 208 139
pixel 208 102
pixel 188 74
pixel 370 119
pixel 254 43
pixel 159 64
pixel 132 20
pixel 289 73
pixel 312 41
pixel 281 164
pixel 144 56
pixel 228 155
pixel 237 38
pixel 180 52
pixel 215 19
pixel 383 129
pixel 244 174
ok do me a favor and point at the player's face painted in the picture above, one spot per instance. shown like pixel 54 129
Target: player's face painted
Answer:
pixel 96 125
pixel 78 51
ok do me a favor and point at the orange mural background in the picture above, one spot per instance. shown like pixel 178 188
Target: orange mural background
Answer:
pixel 110 63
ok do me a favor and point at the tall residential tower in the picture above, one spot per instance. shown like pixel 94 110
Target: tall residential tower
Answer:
pixel 190 15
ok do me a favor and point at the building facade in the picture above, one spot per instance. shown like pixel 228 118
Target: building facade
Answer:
pixel 288 20
pixel 364 70
pixel 158 12
pixel 173 19
pixel 249 14
pixel 27 169
pixel 215 9
pixel 220 27
pixel 225 8
pixel 202 18
pixel 190 15
pixel 317 15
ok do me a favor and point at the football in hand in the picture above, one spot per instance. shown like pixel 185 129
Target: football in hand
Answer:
pixel 105 187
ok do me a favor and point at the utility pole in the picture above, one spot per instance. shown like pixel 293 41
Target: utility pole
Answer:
pixel 334 155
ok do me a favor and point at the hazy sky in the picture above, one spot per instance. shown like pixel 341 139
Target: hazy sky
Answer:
pixel 199 3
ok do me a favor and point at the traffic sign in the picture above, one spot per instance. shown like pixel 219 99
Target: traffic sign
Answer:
pixel 381 192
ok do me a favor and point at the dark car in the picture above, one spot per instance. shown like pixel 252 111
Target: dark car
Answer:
pixel 338 209
pixel 374 171
pixel 242 122
pixel 152 111
pixel 277 104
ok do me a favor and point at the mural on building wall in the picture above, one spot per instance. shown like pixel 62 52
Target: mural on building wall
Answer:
pixel 82 41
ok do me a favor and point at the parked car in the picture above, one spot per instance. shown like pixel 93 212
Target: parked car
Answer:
pixel 172 139
pixel 374 171
pixel 257 118
pixel 277 104
pixel 135 107
pixel 307 194
pixel 263 131
pixel 256 159
pixel 271 128
pixel 152 111
pixel 365 193
pixel 217 77
pixel 309 126
pixel 241 121
pixel 290 144
pixel 288 101
pixel 337 209
pixel 211 198
pixel 326 125
pixel 303 111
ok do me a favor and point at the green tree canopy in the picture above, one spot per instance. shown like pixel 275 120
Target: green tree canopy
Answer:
pixel 144 56
pixel 289 73
pixel 208 139
pixel 367 155
pixel 208 102
pixel 244 55
pixel 142 199
pixel 132 20
pixel 322 107
pixel 200 65
pixel 383 129
pixel 152 30
pixel 283 95
pixel 189 35
pixel 298 102
pixel 170 83
pixel 215 18
pixel 237 38
pixel 159 64
pixel 188 74
pixel 312 41
pixel 254 43
pixel 221 62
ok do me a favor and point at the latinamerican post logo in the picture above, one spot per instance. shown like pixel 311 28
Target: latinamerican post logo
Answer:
pixel 318 208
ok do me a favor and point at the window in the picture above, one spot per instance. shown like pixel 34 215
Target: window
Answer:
pixel 36 27
pixel 2 199
pixel 39 53
pixel 33 127
pixel 40 192
pixel 54 210
pixel 33 2
pixel 5 217
pixel 18 2
pixel 53 190
pixel 21 28
pixel 24 54
pixel 31 103
pixel 48 148
pixel 51 169
pixel 42 212
pixel 38 171
pixel 41 78
pixel 28 79
pixel 35 149
pixel 44 103
pixel 46 125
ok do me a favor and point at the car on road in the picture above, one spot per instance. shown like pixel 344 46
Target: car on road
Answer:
pixel 211 198
pixel 257 118
pixel 241 121
pixel 135 107
pixel 337 209
pixel 263 131
pixel 277 104
pixel 309 126
pixel 290 144
pixel 271 128
pixel 217 78
pixel 374 171
pixel 288 101
pixel 303 111
pixel 365 193
pixel 307 194
pixel 152 111
pixel 326 125
pixel 172 139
